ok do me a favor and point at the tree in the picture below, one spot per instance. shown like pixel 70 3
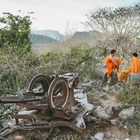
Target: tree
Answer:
pixel 16 57
pixel 14 33
pixel 120 26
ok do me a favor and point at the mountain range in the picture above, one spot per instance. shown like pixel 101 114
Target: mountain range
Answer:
pixel 49 33
pixel 37 40
pixel 50 38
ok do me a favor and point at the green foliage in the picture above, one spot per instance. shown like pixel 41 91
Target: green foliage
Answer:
pixel 78 59
pixel 31 59
pixel 15 33
pixel 134 125
pixel 131 96
pixel 52 62
pixel 16 58
pixel 50 56
pixel 15 72
pixel 94 99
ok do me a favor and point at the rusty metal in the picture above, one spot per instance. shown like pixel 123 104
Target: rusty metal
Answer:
pixel 55 104
pixel 40 126
pixel 16 99
pixel 58 93
pixel 40 84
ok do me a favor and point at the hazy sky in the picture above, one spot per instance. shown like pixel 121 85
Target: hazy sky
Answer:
pixel 56 14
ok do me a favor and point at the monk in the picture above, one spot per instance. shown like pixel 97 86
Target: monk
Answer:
pixel 112 66
pixel 112 63
pixel 133 69
pixel 135 64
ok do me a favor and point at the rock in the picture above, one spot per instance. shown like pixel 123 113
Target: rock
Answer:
pixel 99 136
pixel 89 137
pixel 18 137
pixel 127 139
pixel 97 92
pixel 92 138
pixel 108 134
pixel 135 137
pixel 109 111
pixel 101 113
pixel 103 97
pixel 106 88
pixel 117 108
pixel 114 121
pixel 86 85
pixel 125 130
pixel 97 103
pixel 126 114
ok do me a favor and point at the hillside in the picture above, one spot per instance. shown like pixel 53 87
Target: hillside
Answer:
pixel 50 33
pixel 41 39
pixel 88 38
pixel 44 44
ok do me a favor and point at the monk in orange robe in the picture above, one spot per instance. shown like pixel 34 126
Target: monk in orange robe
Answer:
pixel 112 65
pixel 135 64
pixel 134 67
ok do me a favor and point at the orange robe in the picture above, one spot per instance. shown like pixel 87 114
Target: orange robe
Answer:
pixel 134 68
pixel 135 65
pixel 110 65
pixel 124 74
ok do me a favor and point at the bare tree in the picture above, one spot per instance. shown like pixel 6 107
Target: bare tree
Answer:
pixel 120 27
pixel 70 30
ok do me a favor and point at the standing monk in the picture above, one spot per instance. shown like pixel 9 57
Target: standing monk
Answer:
pixel 112 67
pixel 135 64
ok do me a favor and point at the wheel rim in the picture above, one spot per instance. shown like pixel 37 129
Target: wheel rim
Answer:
pixel 58 93
pixel 39 85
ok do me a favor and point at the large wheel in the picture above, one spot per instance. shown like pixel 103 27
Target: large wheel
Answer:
pixel 58 93
pixel 39 85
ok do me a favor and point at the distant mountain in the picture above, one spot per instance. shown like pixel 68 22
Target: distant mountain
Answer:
pixel 42 43
pixel 49 33
pixel 89 38
pixel 40 39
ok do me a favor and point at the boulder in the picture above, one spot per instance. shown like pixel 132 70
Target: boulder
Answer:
pixel 100 112
pixel 99 136
pixel 126 114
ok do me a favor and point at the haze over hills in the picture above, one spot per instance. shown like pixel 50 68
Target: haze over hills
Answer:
pixel 89 38
pixel 38 40
pixel 43 43
pixel 49 33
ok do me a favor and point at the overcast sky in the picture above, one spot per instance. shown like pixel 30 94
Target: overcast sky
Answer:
pixel 57 14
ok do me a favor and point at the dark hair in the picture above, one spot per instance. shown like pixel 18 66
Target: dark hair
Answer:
pixel 113 51
pixel 135 54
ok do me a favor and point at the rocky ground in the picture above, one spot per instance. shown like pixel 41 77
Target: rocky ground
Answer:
pixel 110 109
pixel 109 115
